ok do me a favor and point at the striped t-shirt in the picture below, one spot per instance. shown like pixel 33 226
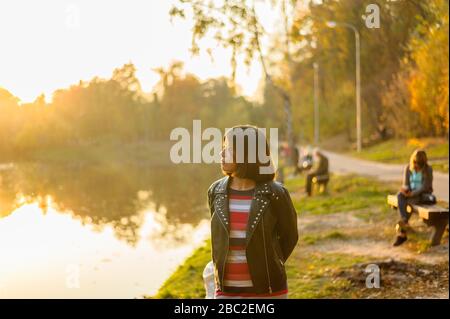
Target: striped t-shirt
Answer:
pixel 236 267
pixel 237 280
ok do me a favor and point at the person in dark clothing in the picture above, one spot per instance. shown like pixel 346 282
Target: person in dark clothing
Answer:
pixel 320 167
pixel 416 188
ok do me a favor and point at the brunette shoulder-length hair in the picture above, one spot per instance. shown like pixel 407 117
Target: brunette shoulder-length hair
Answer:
pixel 420 157
pixel 249 165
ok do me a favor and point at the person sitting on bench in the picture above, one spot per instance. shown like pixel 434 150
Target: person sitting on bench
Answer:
pixel 320 167
pixel 417 185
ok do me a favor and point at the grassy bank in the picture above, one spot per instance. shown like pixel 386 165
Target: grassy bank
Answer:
pixel 399 151
pixel 341 231
pixel 307 276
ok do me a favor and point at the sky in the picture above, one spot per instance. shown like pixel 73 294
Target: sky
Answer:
pixel 51 44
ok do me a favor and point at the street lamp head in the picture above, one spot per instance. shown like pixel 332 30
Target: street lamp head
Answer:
pixel 331 24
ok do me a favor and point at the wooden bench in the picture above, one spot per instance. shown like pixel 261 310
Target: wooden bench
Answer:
pixel 321 181
pixel 434 216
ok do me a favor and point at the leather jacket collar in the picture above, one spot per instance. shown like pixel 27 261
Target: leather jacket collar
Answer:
pixel 262 196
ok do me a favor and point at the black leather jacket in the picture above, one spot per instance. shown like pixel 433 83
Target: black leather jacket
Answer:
pixel 271 234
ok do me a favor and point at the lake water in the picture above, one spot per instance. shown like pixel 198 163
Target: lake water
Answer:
pixel 98 231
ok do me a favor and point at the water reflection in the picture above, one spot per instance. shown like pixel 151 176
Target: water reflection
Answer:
pixel 121 229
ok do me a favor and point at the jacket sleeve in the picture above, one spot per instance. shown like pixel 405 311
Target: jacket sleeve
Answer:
pixel 287 223
pixel 427 183
pixel 211 197
pixel 405 182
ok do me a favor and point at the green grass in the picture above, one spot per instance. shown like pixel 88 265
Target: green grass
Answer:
pixel 187 280
pixel 311 239
pixel 399 151
pixel 312 275
pixel 345 193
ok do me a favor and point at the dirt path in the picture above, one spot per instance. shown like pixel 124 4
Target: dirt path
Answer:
pixel 406 273
pixel 356 243
pixel 388 172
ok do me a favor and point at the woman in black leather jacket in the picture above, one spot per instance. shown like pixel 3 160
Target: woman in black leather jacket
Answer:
pixel 253 220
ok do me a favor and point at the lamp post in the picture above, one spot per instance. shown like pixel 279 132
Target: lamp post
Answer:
pixel 316 103
pixel 333 24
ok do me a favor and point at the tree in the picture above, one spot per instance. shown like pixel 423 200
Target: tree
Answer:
pixel 430 79
pixel 9 107
pixel 235 24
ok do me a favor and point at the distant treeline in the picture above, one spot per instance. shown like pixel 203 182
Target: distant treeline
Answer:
pixel 116 111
